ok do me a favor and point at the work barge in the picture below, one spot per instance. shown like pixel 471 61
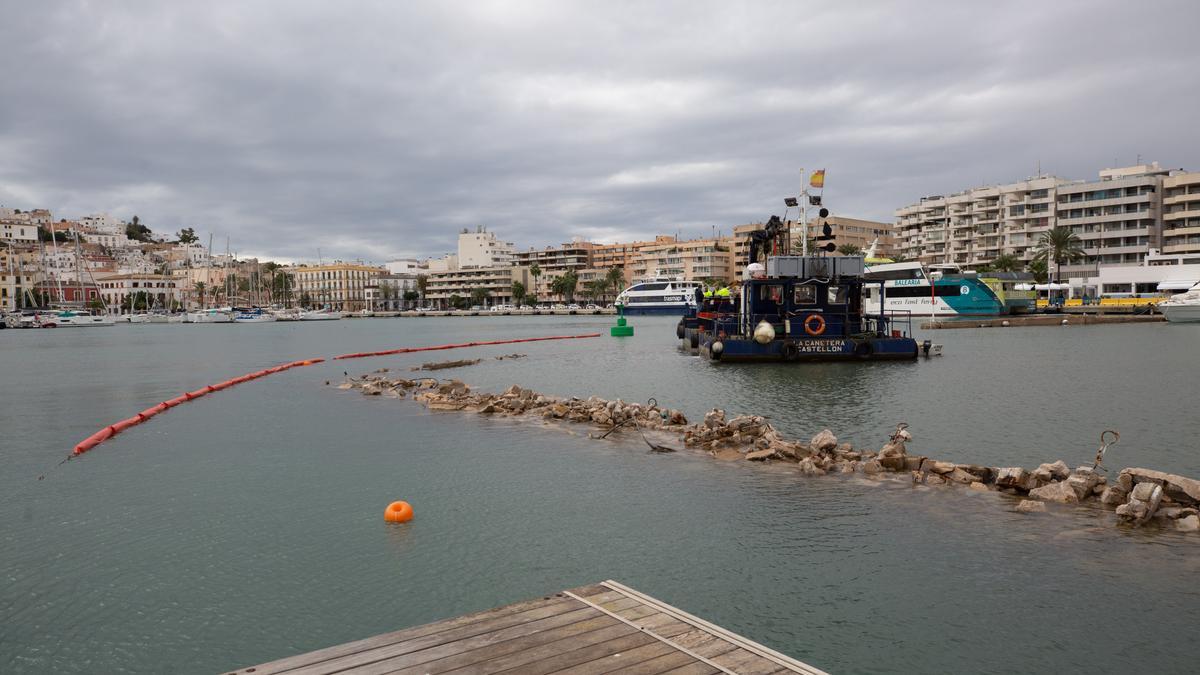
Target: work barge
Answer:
pixel 602 628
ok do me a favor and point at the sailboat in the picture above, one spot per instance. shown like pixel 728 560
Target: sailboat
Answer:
pixel 81 317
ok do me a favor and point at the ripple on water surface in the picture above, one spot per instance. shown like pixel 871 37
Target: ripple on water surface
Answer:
pixel 248 525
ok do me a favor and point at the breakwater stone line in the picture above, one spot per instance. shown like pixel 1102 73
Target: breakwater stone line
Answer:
pixel 1138 496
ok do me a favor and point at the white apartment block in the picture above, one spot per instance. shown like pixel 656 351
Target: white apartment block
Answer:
pixel 482 249
pixel 402 266
pixel 1181 214
pixel 1117 218
pixel 103 222
pixel 162 291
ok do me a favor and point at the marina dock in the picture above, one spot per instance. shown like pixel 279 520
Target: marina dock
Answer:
pixel 1043 320
pixel 602 628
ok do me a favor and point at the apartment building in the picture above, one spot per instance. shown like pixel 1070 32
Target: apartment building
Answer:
pixel 1118 218
pixel 1181 214
pixel 482 249
pixel 440 287
pixel 692 260
pixel 338 286
pixel 162 291
pixel 386 293
pixel 553 262
pixel 18 229
pixel 620 255
pixel 973 227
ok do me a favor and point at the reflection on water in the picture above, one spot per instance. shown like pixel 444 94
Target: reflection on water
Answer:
pixel 248 525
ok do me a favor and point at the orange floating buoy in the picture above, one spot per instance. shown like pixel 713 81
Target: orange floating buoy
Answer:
pixel 398 512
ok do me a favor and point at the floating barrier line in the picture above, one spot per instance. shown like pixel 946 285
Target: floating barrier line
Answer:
pixel 114 429
pixel 406 350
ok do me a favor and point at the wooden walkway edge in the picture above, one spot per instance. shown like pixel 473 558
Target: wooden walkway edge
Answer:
pixel 603 628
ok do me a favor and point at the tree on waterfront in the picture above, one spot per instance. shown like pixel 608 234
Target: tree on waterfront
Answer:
pixel 1039 271
pixel 479 296
pixel 455 301
pixel 305 300
pixel 596 288
pixel 187 236
pixel 518 293
pixel 410 298
pixel 565 285
pixel 535 270
pixel 1060 245
pixel 201 287
pixel 615 278
pixel 422 284
pixel 849 249
pixel 387 294
pixel 1005 262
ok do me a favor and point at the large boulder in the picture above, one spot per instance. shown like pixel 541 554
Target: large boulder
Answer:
pixel 892 463
pixel 824 441
pixel 1016 478
pixel 1061 492
pixel 1083 481
pixel 760 455
pixel 960 476
pixel 1188 524
pixel 1055 471
pixel 714 418
pixel 1179 488
pixel 940 467
pixel 1113 496
pixel 1143 502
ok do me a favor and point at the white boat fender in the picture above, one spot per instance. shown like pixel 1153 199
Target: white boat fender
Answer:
pixel 764 332
pixel 717 348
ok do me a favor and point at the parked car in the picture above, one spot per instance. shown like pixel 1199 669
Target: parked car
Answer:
pixel 476 308
pixel 592 307
pixel 573 306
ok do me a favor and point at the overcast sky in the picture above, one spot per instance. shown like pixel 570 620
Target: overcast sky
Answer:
pixel 376 130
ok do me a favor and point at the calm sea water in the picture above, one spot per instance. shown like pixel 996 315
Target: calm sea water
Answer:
pixel 247 526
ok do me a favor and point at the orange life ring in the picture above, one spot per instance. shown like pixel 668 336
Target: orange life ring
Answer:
pixel 814 324
pixel 398 512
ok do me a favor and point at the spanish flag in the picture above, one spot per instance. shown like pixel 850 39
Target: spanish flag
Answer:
pixel 818 179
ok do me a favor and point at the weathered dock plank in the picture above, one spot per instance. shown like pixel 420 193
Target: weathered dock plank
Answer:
pixel 599 628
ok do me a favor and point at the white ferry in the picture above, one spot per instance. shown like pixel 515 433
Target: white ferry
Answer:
pixel 660 295
pixel 944 291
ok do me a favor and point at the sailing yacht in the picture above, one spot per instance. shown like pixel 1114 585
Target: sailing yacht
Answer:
pixel 254 315
pixel 74 317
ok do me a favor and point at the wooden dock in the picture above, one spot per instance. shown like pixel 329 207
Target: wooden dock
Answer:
pixel 603 628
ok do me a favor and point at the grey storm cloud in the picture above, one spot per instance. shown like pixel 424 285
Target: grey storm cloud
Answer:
pixel 378 129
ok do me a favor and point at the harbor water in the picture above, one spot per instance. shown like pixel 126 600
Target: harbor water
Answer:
pixel 247 525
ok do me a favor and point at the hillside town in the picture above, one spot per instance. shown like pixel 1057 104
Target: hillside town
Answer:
pixel 1128 226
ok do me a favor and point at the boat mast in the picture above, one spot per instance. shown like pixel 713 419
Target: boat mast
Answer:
pixel 803 215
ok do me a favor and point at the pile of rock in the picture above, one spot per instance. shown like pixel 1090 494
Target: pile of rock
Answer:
pixel 1139 495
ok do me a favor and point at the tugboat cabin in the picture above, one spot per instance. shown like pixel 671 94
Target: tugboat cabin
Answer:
pixel 806 308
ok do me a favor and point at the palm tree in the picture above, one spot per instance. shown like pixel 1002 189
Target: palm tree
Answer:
pixel 200 288
pixel 1060 245
pixel 615 278
pixel 1038 269
pixel 535 270
pixel 1005 262
pixel 565 285
pixel 479 296
pixel 849 249
pixel 518 293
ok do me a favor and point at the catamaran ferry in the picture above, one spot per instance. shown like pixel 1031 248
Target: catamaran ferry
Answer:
pixel 660 295
pixel 954 293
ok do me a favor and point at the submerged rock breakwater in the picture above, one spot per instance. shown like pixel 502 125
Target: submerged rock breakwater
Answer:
pixel 1138 497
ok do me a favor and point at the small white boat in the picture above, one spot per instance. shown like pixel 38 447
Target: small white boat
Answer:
pixel 221 315
pixel 1182 308
pixel 136 318
pixel 72 317
pixel 287 314
pixel 320 315
pixel 256 315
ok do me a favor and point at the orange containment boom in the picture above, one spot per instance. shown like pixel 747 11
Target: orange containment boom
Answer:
pixel 114 429
pixel 406 350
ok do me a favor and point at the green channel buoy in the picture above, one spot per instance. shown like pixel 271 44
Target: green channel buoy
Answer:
pixel 621 329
